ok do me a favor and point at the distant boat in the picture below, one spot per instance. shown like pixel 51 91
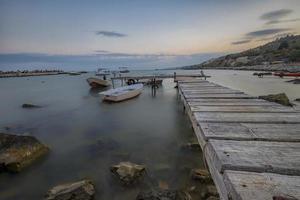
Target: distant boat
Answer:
pixel 102 72
pixel 96 82
pixel 74 73
pixel 290 74
pixel 122 93
pixel 124 70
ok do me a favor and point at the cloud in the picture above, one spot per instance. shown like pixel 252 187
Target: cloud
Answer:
pixel 266 32
pixel 282 21
pixel 101 51
pixel 241 42
pixel 276 14
pixel 110 34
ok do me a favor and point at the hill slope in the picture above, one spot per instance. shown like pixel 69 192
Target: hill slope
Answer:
pixel 280 52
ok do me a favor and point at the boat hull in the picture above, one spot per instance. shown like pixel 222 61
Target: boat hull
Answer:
pixel 123 97
pixel 97 83
pixel 287 74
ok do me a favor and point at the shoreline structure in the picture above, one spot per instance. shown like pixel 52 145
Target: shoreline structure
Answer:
pixel 251 146
pixel 11 74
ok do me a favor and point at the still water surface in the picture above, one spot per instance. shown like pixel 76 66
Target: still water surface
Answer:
pixel 87 136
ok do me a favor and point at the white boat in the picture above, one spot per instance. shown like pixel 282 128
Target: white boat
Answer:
pixel 102 72
pixel 122 93
pixel 96 82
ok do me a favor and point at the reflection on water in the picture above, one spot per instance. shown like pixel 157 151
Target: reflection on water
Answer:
pixel 87 136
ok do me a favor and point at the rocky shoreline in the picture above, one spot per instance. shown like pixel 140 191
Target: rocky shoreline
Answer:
pixel 268 68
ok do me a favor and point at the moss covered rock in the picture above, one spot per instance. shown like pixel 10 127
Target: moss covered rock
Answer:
pixel 280 98
pixel 18 152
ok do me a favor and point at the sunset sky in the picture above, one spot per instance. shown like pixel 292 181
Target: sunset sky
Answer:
pixel 140 34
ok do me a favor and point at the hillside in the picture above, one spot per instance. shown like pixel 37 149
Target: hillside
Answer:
pixel 275 55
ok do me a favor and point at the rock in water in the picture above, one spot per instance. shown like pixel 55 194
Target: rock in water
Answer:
pixel 201 175
pixel 128 172
pixel 280 98
pixel 29 105
pixel 194 146
pixel 80 190
pixel 163 195
pixel 18 152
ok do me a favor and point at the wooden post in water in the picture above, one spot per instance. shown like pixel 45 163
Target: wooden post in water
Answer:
pixel 113 82
pixel 174 76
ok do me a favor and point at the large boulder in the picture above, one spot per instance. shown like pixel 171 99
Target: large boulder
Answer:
pixel 280 98
pixel 18 152
pixel 163 195
pixel 128 172
pixel 80 190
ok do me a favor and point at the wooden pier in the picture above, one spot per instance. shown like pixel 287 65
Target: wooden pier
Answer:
pixel 176 77
pixel 251 146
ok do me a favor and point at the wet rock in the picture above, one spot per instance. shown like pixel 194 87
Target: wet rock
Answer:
pixel 194 146
pixel 201 175
pixel 18 152
pixel 80 190
pixel 163 185
pixel 29 105
pixel 163 195
pixel 209 191
pixel 128 172
pixel 280 98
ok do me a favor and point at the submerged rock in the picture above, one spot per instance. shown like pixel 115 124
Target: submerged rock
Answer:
pixel 18 152
pixel 201 175
pixel 28 105
pixel 163 185
pixel 191 146
pixel 102 146
pixel 128 172
pixel 210 192
pixel 280 98
pixel 80 190
pixel 163 195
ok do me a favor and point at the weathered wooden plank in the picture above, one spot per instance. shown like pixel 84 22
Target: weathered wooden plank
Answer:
pixel 228 102
pixel 250 131
pixel 255 156
pixel 261 186
pixel 217 96
pixel 247 117
pixel 261 108
pixel 212 90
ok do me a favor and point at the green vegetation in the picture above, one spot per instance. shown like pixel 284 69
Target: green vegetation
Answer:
pixel 282 50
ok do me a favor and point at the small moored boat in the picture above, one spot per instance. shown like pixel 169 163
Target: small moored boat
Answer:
pixel 122 93
pixel 96 82
pixel 74 73
pixel 290 74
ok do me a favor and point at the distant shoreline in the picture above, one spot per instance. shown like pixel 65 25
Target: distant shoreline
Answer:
pixel 275 67
pixel 26 74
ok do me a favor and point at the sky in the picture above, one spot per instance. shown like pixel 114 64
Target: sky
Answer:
pixel 138 34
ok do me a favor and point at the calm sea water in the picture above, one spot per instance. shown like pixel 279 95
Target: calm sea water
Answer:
pixel 87 136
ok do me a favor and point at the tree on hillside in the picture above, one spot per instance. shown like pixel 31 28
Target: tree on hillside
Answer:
pixel 283 45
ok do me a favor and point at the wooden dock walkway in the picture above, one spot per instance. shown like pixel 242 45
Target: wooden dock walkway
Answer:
pixel 251 146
